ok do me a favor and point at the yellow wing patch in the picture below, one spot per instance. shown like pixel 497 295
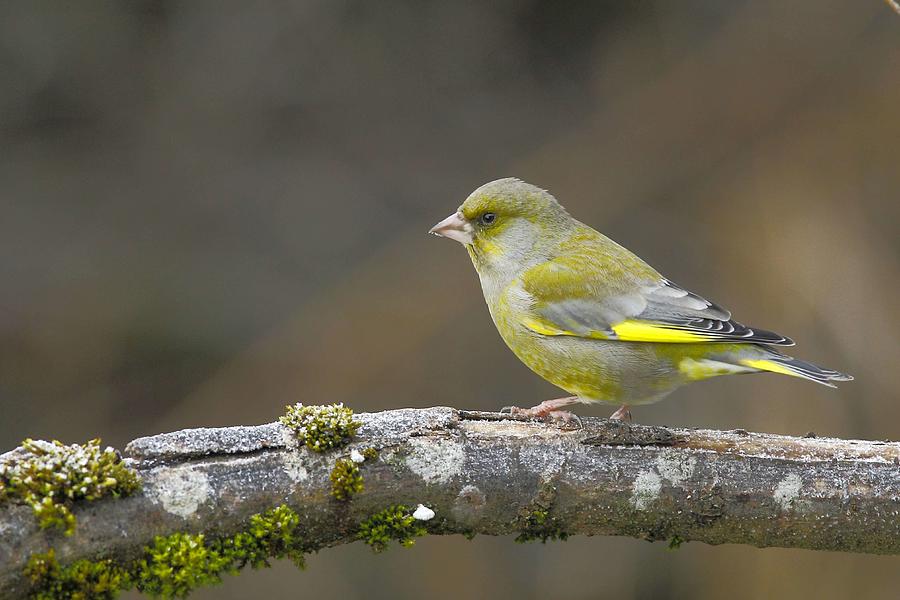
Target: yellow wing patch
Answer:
pixel 626 331
pixel 641 331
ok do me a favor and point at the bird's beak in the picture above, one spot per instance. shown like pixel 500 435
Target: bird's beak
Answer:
pixel 455 227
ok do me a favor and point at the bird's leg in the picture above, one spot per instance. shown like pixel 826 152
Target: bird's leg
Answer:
pixel 622 414
pixel 548 408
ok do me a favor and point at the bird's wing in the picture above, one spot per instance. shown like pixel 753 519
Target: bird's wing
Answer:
pixel 576 297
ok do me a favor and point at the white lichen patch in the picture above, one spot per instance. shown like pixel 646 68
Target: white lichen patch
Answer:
pixel 675 466
pixel 787 491
pixel 294 467
pixel 180 491
pixel 356 456
pixel 289 439
pixel 435 460
pixel 423 513
pixel 647 488
pixel 671 466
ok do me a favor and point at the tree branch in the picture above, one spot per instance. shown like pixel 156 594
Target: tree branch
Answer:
pixel 486 473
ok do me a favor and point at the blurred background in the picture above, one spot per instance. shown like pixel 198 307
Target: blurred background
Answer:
pixel 212 209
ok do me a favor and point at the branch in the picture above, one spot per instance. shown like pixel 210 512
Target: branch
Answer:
pixel 486 473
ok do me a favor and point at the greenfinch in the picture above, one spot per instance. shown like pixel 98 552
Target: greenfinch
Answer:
pixel 591 317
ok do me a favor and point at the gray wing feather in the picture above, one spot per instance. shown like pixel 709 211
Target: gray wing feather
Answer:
pixel 668 301
pixel 583 316
pixel 663 303
pixel 680 308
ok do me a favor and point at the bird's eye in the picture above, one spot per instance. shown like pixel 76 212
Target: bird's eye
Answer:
pixel 488 218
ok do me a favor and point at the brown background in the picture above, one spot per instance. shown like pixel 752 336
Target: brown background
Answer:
pixel 211 209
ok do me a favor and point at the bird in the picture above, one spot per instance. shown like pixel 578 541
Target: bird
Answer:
pixel 593 318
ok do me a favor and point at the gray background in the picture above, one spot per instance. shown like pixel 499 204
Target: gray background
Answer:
pixel 212 209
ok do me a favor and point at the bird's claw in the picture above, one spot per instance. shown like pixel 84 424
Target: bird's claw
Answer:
pixel 622 414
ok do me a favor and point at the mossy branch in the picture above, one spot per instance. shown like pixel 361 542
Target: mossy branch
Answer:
pixel 481 473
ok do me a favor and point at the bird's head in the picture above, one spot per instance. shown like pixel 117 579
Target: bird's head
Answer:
pixel 505 222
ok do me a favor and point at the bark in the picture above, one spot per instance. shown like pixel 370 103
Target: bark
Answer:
pixel 485 473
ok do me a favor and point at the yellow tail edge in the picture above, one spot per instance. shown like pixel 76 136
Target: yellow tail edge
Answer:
pixel 785 365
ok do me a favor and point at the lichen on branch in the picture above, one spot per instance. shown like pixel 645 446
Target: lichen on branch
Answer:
pixel 477 473
pixel 50 477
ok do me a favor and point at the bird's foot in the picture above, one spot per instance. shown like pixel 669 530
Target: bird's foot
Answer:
pixel 549 410
pixel 622 414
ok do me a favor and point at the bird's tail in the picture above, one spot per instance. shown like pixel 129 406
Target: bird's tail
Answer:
pixel 776 362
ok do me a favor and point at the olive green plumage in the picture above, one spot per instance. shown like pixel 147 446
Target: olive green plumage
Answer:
pixel 591 317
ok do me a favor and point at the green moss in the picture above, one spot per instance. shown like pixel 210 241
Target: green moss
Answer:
pixel 346 479
pixel 50 477
pixel 676 542
pixel 393 523
pixel 321 428
pixel 539 525
pixel 179 563
pixel 370 453
pixel 82 580
pixel 173 565
pixel 272 534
